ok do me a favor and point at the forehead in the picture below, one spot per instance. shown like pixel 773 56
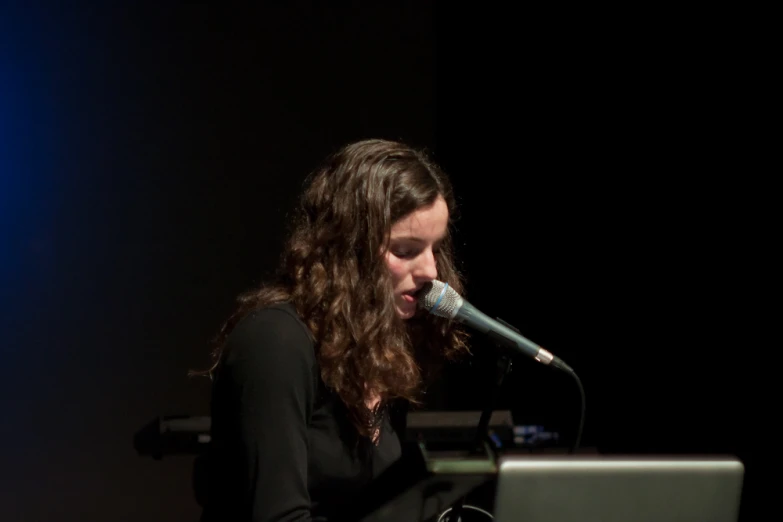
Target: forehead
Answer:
pixel 427 223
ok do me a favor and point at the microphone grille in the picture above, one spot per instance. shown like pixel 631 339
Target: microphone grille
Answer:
pixel 440 299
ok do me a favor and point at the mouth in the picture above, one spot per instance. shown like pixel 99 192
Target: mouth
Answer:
pixel 411 295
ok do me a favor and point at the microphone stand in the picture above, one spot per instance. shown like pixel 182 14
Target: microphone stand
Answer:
pixel 503 368
pixel 482 443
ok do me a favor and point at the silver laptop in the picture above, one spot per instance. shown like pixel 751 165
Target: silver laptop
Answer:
pixel 594 488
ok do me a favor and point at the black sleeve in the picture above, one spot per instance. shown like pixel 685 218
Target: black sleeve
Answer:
pixel 270 372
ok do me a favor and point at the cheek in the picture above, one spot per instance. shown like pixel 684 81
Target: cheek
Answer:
pixel 397 269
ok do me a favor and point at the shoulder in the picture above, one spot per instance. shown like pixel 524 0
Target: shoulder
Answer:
pixel 271 334
pixel 269 369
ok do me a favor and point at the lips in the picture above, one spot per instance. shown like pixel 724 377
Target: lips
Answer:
pixel 410 296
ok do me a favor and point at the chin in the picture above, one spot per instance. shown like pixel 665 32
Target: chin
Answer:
pixel 405 315
pixel 406 312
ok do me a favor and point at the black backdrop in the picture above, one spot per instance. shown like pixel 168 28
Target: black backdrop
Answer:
pixel 150 155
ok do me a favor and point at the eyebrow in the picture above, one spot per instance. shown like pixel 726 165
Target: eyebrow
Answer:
pixel 418 239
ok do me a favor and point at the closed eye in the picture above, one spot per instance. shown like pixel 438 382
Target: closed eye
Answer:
pixel 405 254
pixel 409 248
pixel 410 254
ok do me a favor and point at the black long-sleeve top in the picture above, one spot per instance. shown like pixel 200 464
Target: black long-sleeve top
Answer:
pixel 282 447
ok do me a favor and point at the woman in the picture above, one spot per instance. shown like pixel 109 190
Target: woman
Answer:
pixel 310 370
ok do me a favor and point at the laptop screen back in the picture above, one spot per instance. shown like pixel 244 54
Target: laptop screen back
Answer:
pixel 618 489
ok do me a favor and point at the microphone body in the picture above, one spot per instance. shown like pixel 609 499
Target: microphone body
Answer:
pixel 472 317
pixel 439 299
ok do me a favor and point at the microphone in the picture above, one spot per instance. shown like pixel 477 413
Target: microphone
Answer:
pixel 438 298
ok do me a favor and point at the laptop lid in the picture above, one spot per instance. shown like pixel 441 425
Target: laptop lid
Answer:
pixel 618 489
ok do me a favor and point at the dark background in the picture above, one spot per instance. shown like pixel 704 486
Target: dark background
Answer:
pixel 612 194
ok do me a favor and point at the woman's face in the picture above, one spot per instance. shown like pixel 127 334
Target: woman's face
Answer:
pixel 414 243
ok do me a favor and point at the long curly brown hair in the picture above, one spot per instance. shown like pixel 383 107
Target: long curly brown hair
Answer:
pixel 333 272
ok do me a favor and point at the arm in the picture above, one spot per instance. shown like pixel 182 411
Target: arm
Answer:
pixel 269 369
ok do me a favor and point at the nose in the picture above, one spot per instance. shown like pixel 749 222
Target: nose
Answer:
pixel 427 268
